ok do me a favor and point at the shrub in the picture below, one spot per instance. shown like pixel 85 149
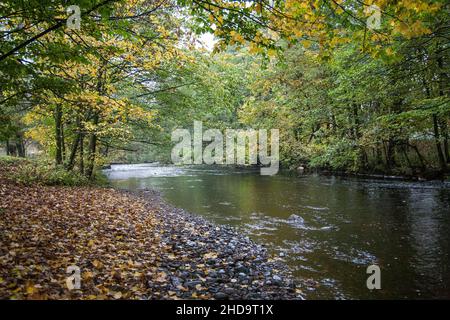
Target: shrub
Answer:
pixel 29 172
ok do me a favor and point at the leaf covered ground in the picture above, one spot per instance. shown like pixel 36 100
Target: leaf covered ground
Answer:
pixel 44 230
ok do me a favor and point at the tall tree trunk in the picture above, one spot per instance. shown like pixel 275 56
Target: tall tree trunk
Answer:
pixel 12 149
pixel 20 145
pixel 389 153
pixel 8 148
pixel 443 80
pixel 76 143
pixel 81 162
pixel 58 134
pixel 96 118
pixel 63 143
pixel 446 147
pixel 73 152
pixel 437 142
pixel 92 148
pixel 405 154
pixel 379 153
pixel 421 160
pixel 444 134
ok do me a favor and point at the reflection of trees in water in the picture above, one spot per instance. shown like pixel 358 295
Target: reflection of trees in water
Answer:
pixel 429 225
pixel 403 228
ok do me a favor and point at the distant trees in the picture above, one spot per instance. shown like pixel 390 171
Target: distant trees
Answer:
pixel 345 94
pixel 66 88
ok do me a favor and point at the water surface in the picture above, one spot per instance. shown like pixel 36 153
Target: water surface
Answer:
pixel 327 229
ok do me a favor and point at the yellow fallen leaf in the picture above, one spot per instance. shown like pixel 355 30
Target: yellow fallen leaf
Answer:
pixel 97 264
pixel 30 289
pixel 198 287
pixel 210 255
pixel 161 277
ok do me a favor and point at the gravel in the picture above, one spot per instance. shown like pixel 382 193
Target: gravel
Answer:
pixel 214 261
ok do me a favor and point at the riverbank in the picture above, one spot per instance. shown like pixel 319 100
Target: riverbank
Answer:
pixel 127 246
pixel 430 175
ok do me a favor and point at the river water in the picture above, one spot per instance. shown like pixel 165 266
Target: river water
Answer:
pixel 327 229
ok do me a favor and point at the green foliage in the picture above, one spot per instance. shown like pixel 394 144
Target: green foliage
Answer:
pixel 344 97
pixel 30 172
pixel 7 161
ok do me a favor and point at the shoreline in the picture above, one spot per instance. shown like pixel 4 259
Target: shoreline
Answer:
pixel 128 245
pixel 431 176
pixel 245 260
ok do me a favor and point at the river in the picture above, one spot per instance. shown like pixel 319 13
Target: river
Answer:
pixel 328 230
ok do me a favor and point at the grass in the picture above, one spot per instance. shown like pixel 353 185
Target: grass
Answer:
pixel 44 172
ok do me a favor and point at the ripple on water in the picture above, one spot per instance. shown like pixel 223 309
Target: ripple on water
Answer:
pixel 316 208
pixel 355 256
pixel 148 168
pixel 298 222
pixel 300 247
pixel 262 223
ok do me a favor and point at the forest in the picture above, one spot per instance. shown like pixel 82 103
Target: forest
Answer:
pixel 352 203
pixel 347 94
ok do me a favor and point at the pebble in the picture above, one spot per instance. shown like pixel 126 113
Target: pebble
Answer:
pixel 220 295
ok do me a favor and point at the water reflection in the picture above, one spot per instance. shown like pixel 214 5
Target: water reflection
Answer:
pixel 327 229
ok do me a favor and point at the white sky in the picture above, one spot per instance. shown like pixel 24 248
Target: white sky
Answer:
pixel 207 40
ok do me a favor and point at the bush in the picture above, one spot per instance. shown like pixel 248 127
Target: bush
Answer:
pixel 29 172
pixel 6 161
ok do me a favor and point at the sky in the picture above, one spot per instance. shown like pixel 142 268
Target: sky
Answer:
pixel 207 41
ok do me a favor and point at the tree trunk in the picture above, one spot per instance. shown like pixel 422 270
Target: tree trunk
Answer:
pixel 92 149
pixel 73 152
pixel 81 164
pixel 443 79
pixel 76 143
pixel 20 145
pixel 437 142
pixel 444 133
pixel 421 160
pixel 8 148
pixel 379 153
pixel 58 134
pixel 96 118
pixel 389 153
pixel 63 143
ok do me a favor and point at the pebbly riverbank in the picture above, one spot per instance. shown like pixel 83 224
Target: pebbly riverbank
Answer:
pixel 226 263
